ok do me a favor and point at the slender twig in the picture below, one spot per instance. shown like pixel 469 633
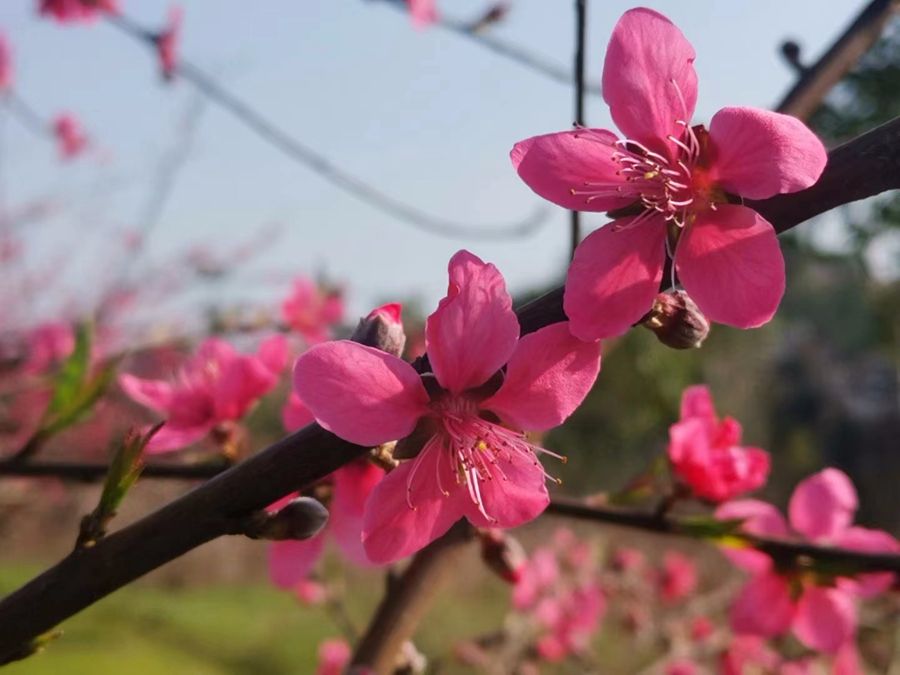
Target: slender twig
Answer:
pixel 324 167
pixel 217 507
pixel 407 600
pixel 580 38
pixel 25 114
pixel 784 550
pixel 813 86
pixel 505 49
pixel 92 472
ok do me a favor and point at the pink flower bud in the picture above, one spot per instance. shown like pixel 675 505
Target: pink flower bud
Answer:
pixel 382 328
pixel 677 321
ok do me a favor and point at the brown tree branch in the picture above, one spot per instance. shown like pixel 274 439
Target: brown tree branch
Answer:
pixel 408 599
pixel 813 86
pixel 215 508
pixel 788 553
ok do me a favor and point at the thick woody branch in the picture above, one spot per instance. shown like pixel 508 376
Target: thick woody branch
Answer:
pixel 792 554
pixel 861 168
pixel 815 82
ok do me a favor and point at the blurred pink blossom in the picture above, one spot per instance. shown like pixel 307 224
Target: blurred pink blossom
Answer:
pixel 726 255
pixel 215 386
pixel 6 66
pixel 70 137
pixel 423 12
pixel 312 311
pixel 66 11
pixel 167 43
pixel 677 577
pixel 706 453
pixel 48 344
pixel 466 429
pixel 334 655
pixel 822 616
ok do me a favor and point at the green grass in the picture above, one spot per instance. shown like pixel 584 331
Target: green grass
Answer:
pixel 149 630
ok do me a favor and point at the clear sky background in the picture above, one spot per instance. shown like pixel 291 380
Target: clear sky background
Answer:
pixel 427 116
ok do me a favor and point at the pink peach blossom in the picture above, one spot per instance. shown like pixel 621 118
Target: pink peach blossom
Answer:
pixel 677 578
pixel 682 187
pixel 48 344
pixel 6 68
pixel 423 12
pixel 312 311
pixel 706 454
pixel 216 386
pixel 70 137
pixel 167 43
pixel 70 11
pixel 334 655
pixel 466 427
pixel 821 614
pixel 746 651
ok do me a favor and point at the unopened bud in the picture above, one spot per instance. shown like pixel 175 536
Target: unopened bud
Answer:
pixel 503 554
pixel 677 321
pixel 382 329
pixel 300 518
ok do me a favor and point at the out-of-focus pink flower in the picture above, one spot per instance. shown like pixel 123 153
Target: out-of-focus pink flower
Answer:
pixel 215 386
pixel 70 11
pixel 290 561
pixel 295 415
pixel 334 655
pixel 677 577
pixel 70 137
pixel 310 592
pixel 679 177
pixel 466 430
pixel 823 617
pixel 706 453
pixel 167 43
pixel 570 619
pixel 48 344
pixel 423 12
pixel 681 667
pixel 312 311
pixel 701 628
pixel 6 67
pixel 746 651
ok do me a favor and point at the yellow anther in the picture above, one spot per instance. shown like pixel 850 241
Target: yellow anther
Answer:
pixel 650 174
pixel 481 445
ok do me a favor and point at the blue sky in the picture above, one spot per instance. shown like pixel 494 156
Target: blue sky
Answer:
pixel 426 116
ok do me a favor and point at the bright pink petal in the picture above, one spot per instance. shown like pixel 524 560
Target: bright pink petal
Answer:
pixel 763 607
pixel 759 153
pixel 474 330
pixel 408 510
pixel 826 618
pixel 154 394
pixel 291 561
pixel 295 415
pixel 353 483
pixel 359 393
pixel 548 376
pixel 823 505
pixel 516 493
pixel 172 437
pixel 242 382
pixel 614 277
pixel 730 263
pixel 696 401
pixel 870 541
pixel 579 161
pixel 649 79
pixel 758 518
pixel 847 661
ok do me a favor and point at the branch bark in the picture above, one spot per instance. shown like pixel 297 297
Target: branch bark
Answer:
pixel 788 553
pixel 861 168
pixel 813 86
pixel 408 599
